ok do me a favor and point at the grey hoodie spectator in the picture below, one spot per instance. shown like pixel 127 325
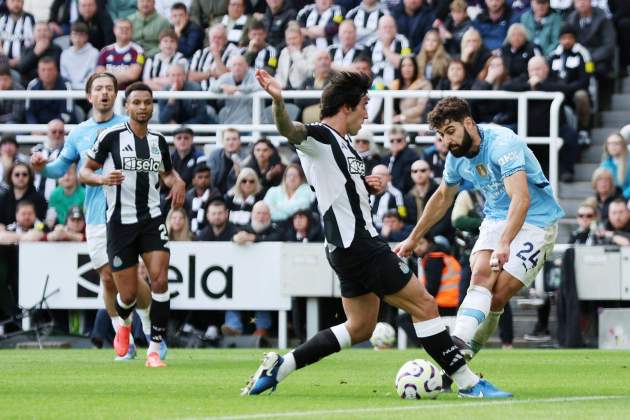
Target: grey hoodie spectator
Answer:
pixel 238 82
pixel 79 61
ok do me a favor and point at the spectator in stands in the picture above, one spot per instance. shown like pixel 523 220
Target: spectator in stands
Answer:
pixel 291 195
pixel 320 79
pixel 435 155
pixel 147 24
pixel 177 225
pixel 518 50
pixel 155 73
pixel 494 22
pixel 277 17
pixel 423 188
pixel 621 18
pixel 617 229
pixel 242 196
pixel 365 17
pixel 258 53
pixel 304 227
pixel 543 26
pixel 586 218
pixel 124 59
pixel 571 63
pixel 394 228
pixel 79 61
pixel 492 77
pixel 456 77
pixel 17 28
pixel 209 64
pixel 474 53
pixel 20 178
pixel 414 19
pixel 453 28
pixel 236 23
pixel 163 7
pixel 239 81
pixel 265 160
pixel 62 15
pixel 118 9
pixel 346 50
pixel 190 33
pixel 185 157
pixel 11 110
pixel 40 111
pixel 538 78
pixel 606 191
pixel 205 12
pixel 69 193
pixel 387 49
pixel 408 77
pixel 616 161
pixel 74 228
pixel 182 111
pixel 8 156
pixel 199 196
pixel 218 228
pixel 596 32
pixel 400 158
pixel 50 148
pixel 363 64
pixel 390 199
pixel 25 226
pixel 31 56
pixel 320 22
pixel 364 145
pixel 296 61
pixel 100 25
pixel 225 162
pixel 432 58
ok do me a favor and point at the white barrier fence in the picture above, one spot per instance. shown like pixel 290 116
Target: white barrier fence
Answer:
pixel 257 128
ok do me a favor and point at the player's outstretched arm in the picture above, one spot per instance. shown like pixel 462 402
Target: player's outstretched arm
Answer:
pixel 294 131
pixel 435 209
pixel 88 175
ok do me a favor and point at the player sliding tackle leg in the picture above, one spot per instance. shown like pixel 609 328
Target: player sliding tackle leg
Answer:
pixel 521 215
pixel 368 270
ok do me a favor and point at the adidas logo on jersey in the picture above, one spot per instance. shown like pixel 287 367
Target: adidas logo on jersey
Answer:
pixel 127 148
pixel 140 165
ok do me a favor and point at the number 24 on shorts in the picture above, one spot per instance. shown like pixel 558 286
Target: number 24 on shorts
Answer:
pixel 528 247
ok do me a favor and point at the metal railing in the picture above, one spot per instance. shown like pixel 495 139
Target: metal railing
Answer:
pixel 256 128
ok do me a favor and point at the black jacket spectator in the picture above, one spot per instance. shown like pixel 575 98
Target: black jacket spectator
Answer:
pixel 474 66
pixel 11 110
pixel 100 30
pixel 207 233
pixel 27 66
pixel 183 111
pixel 516 60
pixel 8 204
pixel 190 39
pixel 276 23
pixel 445 84
pixel 400 169
pixel 413 26
pixel 569 66
pixel 60 12
pixel 453 45
pixel 314 233
pixel 598 37
pixel 273 233
pixel 41 111
pixel 492 111
pixel 621 17
pixel 413 202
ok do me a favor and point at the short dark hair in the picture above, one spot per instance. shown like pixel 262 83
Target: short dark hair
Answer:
pixel 137 86
pixel 345 88
pixel 257 25
pixel 449 109
pixel 94 76
pixel 5 70
pixel 168 33
pixel 618 201
pixel 200 167
pixel 179 6
pixel 47 59
pixel 24 203
pixel 79 27
pixel 393 213
pixel 218 202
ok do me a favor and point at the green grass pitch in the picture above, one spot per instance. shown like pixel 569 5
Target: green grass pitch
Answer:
pixel 87 384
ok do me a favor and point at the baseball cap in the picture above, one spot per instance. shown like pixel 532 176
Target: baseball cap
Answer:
pixel 75 212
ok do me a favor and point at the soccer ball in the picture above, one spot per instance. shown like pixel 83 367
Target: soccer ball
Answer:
pixel 418 379
pixel 383 337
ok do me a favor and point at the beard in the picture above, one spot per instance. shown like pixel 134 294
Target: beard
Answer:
pixel 464 148
pixel 259 227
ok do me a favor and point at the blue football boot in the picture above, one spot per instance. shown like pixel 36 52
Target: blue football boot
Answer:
pixel 484 389
pixel 266 376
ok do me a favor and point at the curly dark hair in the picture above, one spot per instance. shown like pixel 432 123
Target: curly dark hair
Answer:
pixel 449 109
pixel 345 88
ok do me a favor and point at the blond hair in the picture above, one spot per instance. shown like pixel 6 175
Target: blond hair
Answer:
pixel 185 234
pixel 439 59
pixel 244 173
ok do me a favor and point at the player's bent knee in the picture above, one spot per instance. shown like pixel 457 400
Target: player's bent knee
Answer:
pixel 360 332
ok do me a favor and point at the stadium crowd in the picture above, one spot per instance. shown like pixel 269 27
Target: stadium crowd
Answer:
pixel 255 192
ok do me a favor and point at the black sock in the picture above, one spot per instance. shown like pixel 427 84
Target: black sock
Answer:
pixel 441 348
pixel 323 344
pixel 158 314
pixel 124 312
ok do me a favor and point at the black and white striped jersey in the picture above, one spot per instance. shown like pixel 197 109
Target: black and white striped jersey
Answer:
pixel 234 29
pixel 16 35
pixel 380 66
pixel 266 58
pixel 203 60
pixel 340 58
pixel 336 171
pixel 309 16
pixel 158 65
pixel 366 21
pixel 141 160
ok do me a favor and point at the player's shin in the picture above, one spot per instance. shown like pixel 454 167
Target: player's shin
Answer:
pixel 472 312
pixel 438 343
pixel 159 312
pixel 485 330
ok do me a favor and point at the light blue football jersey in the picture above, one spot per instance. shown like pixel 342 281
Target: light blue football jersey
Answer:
pixel 79 141
pixel 501 154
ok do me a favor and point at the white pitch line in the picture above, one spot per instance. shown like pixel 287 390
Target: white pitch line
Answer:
pixel 419 407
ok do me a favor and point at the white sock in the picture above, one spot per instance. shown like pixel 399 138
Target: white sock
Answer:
pixel 287 367
pixel 465 378
pixel 153 347
pixel 125 322
pixel 342 335
pixel 145 320
pixel 116 322
pixel 429 328
pixel 472 312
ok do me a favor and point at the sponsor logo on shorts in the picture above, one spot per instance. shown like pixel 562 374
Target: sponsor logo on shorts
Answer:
pixel 403 267
pixel 117 262
pixel 140 165
pixel 356 166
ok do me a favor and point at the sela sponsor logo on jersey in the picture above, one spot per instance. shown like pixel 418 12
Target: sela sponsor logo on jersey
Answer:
pixel 507 157
pixel 140 165
pixel 356 166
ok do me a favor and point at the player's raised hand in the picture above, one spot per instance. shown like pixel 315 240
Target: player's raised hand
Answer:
pixel 38 161
pixel 405 248
pixel 115 177
pixel 269 84
pixel 177 194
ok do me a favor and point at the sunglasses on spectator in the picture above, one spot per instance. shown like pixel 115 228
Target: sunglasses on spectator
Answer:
pixel 396 140
pixel 20 174
pixel 248 181
pixel 423 170
pixel 585 215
